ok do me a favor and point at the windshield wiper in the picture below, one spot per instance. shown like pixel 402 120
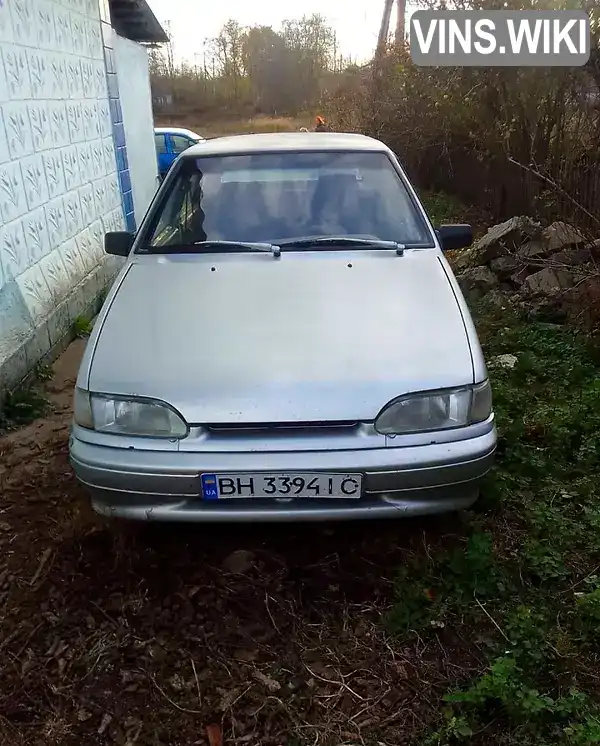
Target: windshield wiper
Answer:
pixel 247 245
pixel 223 246
pixel 375 243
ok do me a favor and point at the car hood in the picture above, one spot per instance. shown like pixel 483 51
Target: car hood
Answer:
pixel 311 336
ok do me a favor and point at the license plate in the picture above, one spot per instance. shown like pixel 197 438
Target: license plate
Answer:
pixel 236 486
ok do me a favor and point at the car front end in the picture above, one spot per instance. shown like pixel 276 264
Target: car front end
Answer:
pixel 302 384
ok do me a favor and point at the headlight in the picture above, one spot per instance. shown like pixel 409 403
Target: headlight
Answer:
pixel 127 416
pixel 436 410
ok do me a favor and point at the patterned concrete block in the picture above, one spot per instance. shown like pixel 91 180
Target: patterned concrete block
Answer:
pixel 59 323
pixel 16 323
pixel 15 367
pixel 60 189
pixel 37 346
pixel 77 304
pixel 35 292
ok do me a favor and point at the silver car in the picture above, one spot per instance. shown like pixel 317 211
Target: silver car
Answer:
pixel 284 342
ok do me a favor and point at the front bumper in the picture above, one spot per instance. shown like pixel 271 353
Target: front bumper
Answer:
pixel 398 482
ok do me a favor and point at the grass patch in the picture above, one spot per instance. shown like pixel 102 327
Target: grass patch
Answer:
pixel 43 372
pixel 22 406
pixel 82 326
pixel 441 207
pixel 444 208
pixel 524 588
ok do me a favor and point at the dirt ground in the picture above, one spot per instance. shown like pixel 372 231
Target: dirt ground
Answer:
pixel 115 633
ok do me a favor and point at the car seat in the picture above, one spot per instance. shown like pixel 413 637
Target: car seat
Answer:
pixel 336 203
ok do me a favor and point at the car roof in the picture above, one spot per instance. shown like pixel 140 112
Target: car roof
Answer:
pixel 176 131
pixel 282 141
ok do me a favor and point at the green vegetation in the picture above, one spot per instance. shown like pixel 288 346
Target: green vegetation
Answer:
pixel 518 142
pixel 523 585
pixel 25 403
pixel 22 406
pixel 441 207
pixel 82 326
pixel 250 70
pixel 43 372
pixel 524 588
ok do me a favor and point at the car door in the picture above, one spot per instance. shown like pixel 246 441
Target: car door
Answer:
pixel 179 143
pixel 162 153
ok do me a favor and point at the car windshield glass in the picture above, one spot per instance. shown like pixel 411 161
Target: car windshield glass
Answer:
pixel 280 197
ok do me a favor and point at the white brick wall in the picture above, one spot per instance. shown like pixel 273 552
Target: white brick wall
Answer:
pixel 59 191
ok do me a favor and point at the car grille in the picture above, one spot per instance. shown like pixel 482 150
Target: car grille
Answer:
pixel 282 428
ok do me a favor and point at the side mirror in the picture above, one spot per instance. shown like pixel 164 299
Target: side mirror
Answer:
pixel 118 243
pixel 459 236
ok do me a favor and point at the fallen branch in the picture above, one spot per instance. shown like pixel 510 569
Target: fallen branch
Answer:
pixel 170 701
pixel 556 186
pixel 491 618
pixel 43 559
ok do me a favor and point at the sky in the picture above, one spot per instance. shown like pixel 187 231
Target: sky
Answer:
pixel 191 22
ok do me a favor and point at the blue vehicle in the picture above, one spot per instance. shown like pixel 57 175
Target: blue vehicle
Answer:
pixel 170 142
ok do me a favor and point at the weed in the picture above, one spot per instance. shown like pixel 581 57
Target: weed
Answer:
pixel 21 407
pixel 441 207
pixel 587 610
pixel 427 596
pixel 82 327
pixel 43 372
pixel 527 631
pixel 543 561
pixel 418 605
pixel 533 551
pixel 454 729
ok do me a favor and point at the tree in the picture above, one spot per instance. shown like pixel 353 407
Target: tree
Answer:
pixel 228 51
pixel 264 63
pixel 311 50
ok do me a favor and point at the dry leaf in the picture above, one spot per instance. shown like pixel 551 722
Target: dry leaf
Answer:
pixel 229 698
pixel 215 738
pixel 271 684
pixel 104 723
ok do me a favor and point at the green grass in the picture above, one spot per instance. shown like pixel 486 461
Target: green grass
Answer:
pixel 43 372
pixel 22 406
pixel 526 584
pixel 82 326
pixel 442 208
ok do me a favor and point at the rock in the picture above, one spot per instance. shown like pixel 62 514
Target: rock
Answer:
pixel 519 277
pixel 556 237
pixel 549 281
pixel 504 361
pixel 504 238
pixel 572 257
pixel 505 288
pixel 532 250
pixel 239 562
pixel 583 302
pixel 477 282
pixel 547 308
pixel 593 246
pixel 500 298
pixel 560 235
pixel 504 266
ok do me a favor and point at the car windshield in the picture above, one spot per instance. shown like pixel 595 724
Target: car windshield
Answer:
pixel 286 197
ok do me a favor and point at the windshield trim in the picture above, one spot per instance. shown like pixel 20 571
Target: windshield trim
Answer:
pixel 155 209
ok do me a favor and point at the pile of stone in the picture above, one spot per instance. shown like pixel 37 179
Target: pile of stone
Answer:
pixel 520 258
